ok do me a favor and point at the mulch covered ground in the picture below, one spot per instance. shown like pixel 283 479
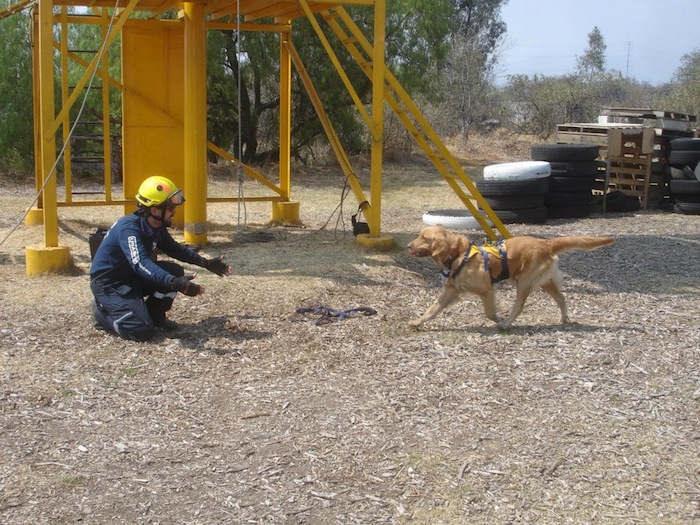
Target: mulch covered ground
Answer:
pixel 254 413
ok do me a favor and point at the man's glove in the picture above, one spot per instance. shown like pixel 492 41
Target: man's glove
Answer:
pixel 218 266
pixel 185 285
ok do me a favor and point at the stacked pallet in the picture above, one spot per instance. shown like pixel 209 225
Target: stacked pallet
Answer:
pixel 663 122
pixel 667 125
pixel 629 167
pixel 635 144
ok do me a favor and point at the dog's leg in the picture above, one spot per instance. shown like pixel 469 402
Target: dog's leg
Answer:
pixel 446 298
pixel 488 299
pixel 522 293
pixel 553 288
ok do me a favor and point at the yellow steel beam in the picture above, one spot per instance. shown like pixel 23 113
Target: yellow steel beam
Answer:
pixel 377 128
pixel 326 124
pixel 15 8
pixel 114 33
pixel 47 112
pixel 65 92
pixel 285 135
pixel 339 68
pixel 195 125
pixel 246 169
pixel 424 134
pixel 103 73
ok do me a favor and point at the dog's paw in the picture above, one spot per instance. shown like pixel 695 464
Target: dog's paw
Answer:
pixel 415 323
pixel 503 324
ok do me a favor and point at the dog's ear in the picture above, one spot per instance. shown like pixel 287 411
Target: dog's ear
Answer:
pixel 458 245
pixel 439 248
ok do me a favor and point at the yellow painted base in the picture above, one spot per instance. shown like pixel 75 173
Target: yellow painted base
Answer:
pixel 196 234
pixel 383 242
pixel 42 259
pixel 34 216
pixel 286 212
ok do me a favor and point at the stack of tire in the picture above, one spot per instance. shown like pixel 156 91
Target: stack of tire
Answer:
pixel 574 170
pixel 516 191
pixel 684 186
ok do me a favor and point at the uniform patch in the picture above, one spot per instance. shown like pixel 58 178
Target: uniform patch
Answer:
pixel 133 249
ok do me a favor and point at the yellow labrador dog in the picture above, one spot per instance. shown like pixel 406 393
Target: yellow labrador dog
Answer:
pixel 528 262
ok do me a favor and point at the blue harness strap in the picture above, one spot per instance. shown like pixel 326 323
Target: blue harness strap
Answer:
pixel 473 250
pixel 503 256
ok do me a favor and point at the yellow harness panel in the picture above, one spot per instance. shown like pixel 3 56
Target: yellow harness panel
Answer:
pixel 498 251
pixel 490 249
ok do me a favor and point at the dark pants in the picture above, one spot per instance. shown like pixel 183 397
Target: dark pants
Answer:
pixel 121 306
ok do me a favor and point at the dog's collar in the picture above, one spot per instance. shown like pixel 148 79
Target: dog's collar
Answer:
pixel 447 272
pixel 499 250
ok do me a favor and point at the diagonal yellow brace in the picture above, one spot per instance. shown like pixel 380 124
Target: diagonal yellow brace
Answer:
pixel 425 136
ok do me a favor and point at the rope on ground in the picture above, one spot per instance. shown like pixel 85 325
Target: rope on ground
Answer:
pixel 243 237
pixel 329 315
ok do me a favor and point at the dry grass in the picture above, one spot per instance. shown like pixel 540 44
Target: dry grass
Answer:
pixel 253 413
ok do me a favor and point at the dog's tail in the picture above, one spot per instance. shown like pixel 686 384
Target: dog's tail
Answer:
pixel 588 243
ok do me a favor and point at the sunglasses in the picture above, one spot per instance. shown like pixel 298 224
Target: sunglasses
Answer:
pixel 175 199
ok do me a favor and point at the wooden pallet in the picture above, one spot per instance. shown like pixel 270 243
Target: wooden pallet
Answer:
pixel 649 114
pixel 629 167
pixel 573 133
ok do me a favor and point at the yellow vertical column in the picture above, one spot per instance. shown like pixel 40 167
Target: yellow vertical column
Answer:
pixel 286 211
pixel 374 214
pixel 195 125
pixel 36 215
pixel 50 257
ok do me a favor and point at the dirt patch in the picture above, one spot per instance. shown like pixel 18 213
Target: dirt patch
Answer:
pixel 253 413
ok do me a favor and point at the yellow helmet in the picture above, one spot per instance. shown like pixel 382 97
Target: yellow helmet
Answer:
pixel 159 191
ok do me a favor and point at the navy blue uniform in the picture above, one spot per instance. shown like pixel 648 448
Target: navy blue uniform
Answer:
pixel 123 273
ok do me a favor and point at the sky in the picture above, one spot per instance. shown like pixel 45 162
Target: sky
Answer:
pixel 645 39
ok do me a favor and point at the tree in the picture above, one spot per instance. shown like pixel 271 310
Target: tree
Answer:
pixel 684 92
pixel 477 32
pixel 16 120
pixel 417 35
pixel 592 62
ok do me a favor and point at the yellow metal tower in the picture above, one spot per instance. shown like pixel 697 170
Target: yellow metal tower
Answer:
pixel 163 86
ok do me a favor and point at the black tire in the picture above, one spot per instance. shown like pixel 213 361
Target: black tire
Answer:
pixel 568 212
pixel 685 199
pixel 577 198
pixel 586 168
pixel 686 208
pixel 526 216
pixel 562 184
pixel 682 158
pixel 564 152
pixel 498 187
pixel 684 187
pixel 515 202
pixel 685 144
pixel 618 201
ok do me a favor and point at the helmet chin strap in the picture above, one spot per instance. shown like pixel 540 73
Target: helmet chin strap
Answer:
pixel 158 217
pixel 162 215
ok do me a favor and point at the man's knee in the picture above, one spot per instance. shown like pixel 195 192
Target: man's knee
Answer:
pixel 137 332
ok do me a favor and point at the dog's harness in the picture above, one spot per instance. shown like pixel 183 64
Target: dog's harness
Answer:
pixel 498 250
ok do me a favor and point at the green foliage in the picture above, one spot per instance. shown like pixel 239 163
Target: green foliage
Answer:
pixel 443 52
pixel 683 94
pixel 16 117
pixel 536 105
pixel 476 34
pixel 539 103
pixel 592 62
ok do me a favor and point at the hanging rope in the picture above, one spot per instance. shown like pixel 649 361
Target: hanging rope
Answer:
pixel 242 210
pixel 52 171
